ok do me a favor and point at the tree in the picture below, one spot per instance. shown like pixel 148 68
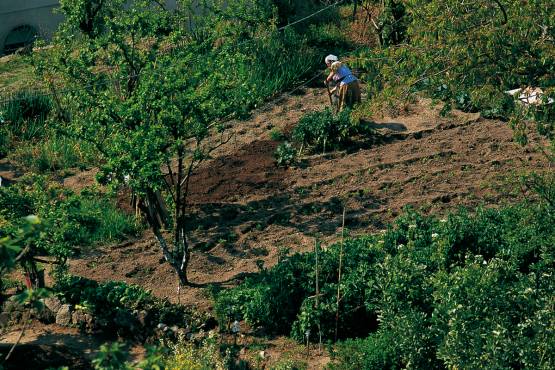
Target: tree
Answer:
pixel 139 90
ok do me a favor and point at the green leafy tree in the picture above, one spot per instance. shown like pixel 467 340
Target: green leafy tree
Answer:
pixel 142 94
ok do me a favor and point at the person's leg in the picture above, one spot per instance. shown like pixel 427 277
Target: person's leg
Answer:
pixel 343 92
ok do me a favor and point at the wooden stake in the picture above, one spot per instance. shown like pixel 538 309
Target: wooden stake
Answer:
pixel 318 298
pixel 339 272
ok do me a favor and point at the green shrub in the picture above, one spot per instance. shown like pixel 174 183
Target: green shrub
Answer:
pixel 290 286
pixel 180 355
pixel 377 351
pixel 110 301
pixel 328 37
pixel 468 291
pixel 323 129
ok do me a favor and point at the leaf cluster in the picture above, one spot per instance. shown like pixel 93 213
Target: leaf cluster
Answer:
pixel 69 220
pixel 320 129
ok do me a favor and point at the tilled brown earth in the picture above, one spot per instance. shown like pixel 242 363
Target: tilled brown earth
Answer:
pixel 247 209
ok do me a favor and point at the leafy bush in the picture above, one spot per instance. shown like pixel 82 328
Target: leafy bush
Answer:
pixel 375 352
pixel 328 37
pixel 470 55
pixel 322 129
pixel 114 304
pixel 69 220
pixel 290 286
pixel 173 356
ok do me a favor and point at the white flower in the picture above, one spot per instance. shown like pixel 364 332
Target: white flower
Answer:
pixel 443 220
pixel 435 235
pixel 413 226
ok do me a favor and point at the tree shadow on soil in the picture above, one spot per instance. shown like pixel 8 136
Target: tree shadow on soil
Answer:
pixel 223 223
pixel 44 356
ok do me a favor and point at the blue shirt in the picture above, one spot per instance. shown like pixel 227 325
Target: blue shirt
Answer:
pixel 343 74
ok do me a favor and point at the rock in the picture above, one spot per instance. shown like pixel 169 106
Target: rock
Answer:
pixel 53 304
pixel 63 317
pixel 14 310
pixel 4 319
pixel 79 318
pixel 162 326
pixel 44 314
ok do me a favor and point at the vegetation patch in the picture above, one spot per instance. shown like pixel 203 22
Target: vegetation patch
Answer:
pixel 453 292
pixel 69 221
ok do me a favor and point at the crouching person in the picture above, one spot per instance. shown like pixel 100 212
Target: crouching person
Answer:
pixel 347 86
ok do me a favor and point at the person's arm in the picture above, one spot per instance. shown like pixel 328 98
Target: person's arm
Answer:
pixel 328 79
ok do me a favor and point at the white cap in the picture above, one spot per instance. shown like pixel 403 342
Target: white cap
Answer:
pixel 331 58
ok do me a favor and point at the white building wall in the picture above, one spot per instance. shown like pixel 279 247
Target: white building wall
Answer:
pixel 38 14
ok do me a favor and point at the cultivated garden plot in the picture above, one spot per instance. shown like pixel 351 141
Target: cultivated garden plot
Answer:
pixel 201 187
pixel 247 207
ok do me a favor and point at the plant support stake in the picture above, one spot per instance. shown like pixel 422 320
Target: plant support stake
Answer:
pixel 318 300
pixel 339 271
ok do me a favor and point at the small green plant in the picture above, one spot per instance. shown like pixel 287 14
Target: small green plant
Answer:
pixel 285 154
pixel 110 357
pixel 55 152
pixel 69 221
pixel 24 114
pixel 277 135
